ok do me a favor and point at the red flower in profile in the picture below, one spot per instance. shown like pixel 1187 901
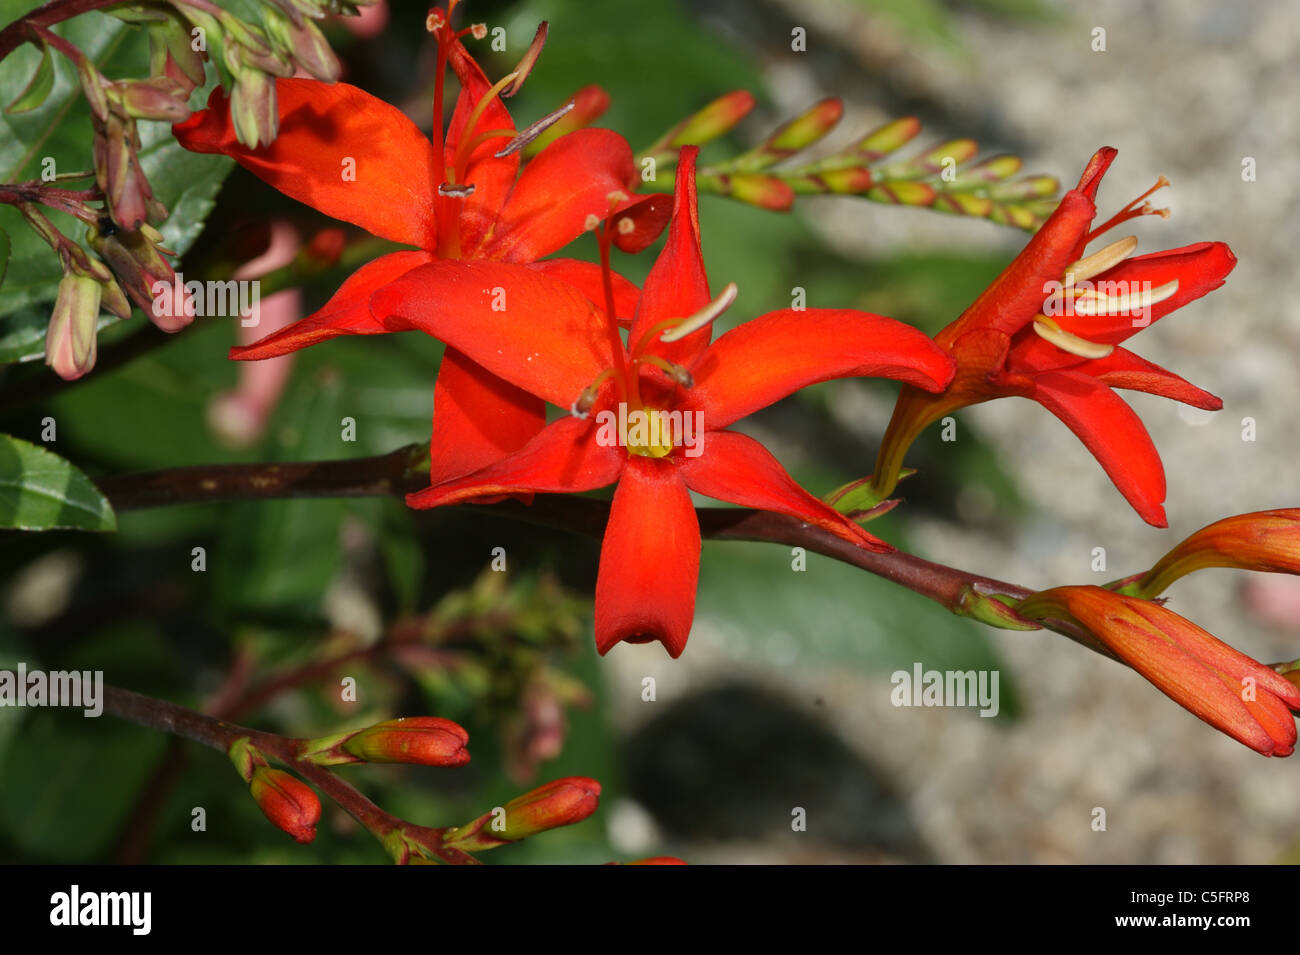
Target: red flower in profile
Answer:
pixel 553 344
pixel 1050 328
pixel 460 197
pixel 1221 685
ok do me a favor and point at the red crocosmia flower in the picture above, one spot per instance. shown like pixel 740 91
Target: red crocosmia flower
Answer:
pixel 651 415
pixel 465 196
pixel 1227 689
pixel 1050 328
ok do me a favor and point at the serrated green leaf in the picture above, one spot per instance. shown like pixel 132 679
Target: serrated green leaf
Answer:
pixel 38 88
pixel 41 491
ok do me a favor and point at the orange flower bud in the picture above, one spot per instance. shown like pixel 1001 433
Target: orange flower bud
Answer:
pixel 423 740
pixel 1263 540
pixel 288 802
pixel 559 803
pixel 1225 688
pixel 658 860
pixel 70 340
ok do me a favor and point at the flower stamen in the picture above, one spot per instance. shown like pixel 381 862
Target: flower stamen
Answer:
pixel 1092 302
pixel 533 130
pixel 1067 341
pixel 1132 211
pixel 1100 261
pixel 674 371
pixel 703 317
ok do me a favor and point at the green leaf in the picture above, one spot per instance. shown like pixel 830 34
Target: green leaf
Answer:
pixel 38 88
pixel 70 783
pixel 4 254
pixel 40 491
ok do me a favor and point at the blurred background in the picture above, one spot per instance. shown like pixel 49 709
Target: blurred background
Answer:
pixel 782 698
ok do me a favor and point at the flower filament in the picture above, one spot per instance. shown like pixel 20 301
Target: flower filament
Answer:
pixel 1089 300
pixel 628 361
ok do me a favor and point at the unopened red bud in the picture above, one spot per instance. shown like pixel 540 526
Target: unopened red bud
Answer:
pixel 589 104
pixel 1227 689
pixel 658 860
pixel 172 54
pixel 798 134
pixel 160 99
pixel 887 138
pixel 70 339
pixel 326 247
pixel 144 274
pixel 289 803
pixel 422 740
pixel 253 108
pixel 559 803
pixel 716 119
pixel 766 192
pixel 1267 541
pixel 123 181
pixel 303 42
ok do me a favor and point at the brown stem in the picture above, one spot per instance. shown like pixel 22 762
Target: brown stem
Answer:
pixel 220 734
pixel 56 11
pixel 396 473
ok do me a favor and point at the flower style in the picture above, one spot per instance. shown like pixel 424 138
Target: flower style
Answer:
pixel 459 197
pixel 1050 328
pixel 667 372
pixel 1224 687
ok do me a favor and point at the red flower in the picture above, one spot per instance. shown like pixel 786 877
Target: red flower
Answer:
pixel 1222 686
pixel 358 159
pixel 553 344
pixel 1050 327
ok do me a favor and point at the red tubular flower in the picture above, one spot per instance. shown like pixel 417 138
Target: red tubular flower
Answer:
pixel 1264 541
pixel 463 196
pixel 553 344
pixel 1050 327
pixel 288 802
pixel 1224 687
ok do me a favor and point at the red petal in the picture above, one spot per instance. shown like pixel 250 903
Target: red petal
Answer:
pixel 649 561
pixel 547 338
pixel 771 356
pixel 677 286
pixel 1188 682
pixel 1115 435
pixel 1199 269
pixel 1123 369
pixel 478 419
pixel 491 177
pixel 346 313
pixel 641 221
pixel 736 468
pixel 570 179
pixel 586 278
pixel 322 127
pixel 563 457
pixel 1096 168
pixel 1017 295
